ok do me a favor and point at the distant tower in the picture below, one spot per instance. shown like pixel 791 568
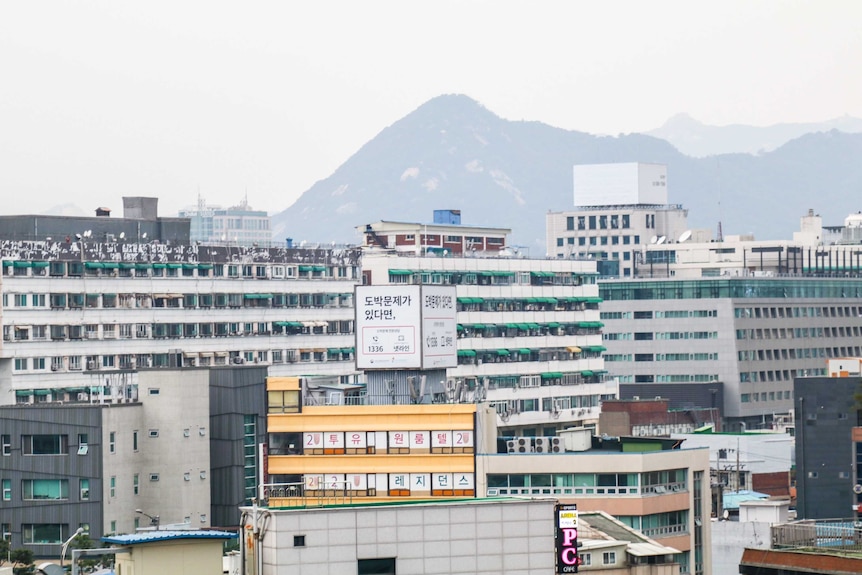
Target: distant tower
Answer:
pixel 720 234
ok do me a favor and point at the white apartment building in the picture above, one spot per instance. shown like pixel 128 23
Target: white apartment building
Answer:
pixel 619 208
pixel 529 333
pixel 79 317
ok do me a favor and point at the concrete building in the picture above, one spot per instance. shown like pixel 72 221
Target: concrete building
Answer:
pixel 751 335
pixel 529 339
pixel 184 453
pixel 804 547
pixel 619 208
pixel 176 552
pixel 239 225
pixel 652 417
pixel 79 318
pixel 828 447
pixel 649 484
pixel 444 236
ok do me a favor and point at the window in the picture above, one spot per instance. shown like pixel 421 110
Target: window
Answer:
pixel 7 489
pixel 45 444
pixel 85 490
pixel 135 484
pixel 113 486
pixel 609 558
pixel 153 433
pixel 41 489
pixel 586 559
pixel 376 566
pixel 43 533
pixel 299 540
pixel 6 441
pixel 112 442
pixel 154 476
pixel 135 440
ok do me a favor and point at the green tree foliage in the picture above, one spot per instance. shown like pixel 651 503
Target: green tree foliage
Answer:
pixel 22 559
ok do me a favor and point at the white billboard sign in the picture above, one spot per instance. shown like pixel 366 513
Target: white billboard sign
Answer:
pixel 439 327
pixel 405 327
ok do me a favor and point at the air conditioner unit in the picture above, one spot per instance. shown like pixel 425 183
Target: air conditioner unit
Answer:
pixel 91 365
pixel 55 367
pixel 540 445
pixel 238 360
pixel 511 446
pixel 82 397
pixel 556 445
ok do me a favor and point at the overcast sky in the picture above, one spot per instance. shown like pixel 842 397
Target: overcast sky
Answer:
pixel 170 99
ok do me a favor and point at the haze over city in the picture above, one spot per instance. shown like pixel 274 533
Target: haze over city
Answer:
pixel 106 99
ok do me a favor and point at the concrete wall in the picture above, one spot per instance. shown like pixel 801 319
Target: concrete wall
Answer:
pixel 730 538
pixel 512 537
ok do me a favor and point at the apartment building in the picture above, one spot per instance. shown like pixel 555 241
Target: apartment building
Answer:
pixel 752 335
pixel 184 454
pixel 80 317
pixel 529 335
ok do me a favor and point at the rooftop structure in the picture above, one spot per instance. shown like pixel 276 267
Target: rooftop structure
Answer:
pixel 239 225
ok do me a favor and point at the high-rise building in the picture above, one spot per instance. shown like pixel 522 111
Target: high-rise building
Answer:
pixel 239 225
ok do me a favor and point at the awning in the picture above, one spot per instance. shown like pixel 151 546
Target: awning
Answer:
pixel 305 268
pixel 93 265
pixel 7 264
pixel 348 350
pixel 523 351
pixel 574 349
pixel 459 327
pixel 397 272
pixel 41 392
pixel 478 326
pixel 587 373
pixel 503 274
pixel 159 266
pixel 594 300
pixel 552 324
pixel 110 265
pixel 470 300
pixel 334 351
pixel 533 325
pixel 318 268
pixel 127 265
pixel 466 353
pixel 258 296
pixel 40 264
pixel 205 266
pixel 174 266
pixel 143 266
pixel 552 375
pixel 594 348
pixel 282 323
pixel 23 392
pixel 502 352
pixel 21 264
pixel 590 324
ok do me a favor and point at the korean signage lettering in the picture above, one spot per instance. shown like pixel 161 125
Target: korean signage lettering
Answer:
pixel 405 326
pixel 566 539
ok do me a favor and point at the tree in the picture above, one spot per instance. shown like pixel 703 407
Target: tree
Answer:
pixel 22 559
pixel 4 550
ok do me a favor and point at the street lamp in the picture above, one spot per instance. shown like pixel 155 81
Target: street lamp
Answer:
pixel 66 544
pixel 154 520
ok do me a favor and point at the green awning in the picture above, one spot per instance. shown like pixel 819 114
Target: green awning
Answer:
pixel 127 265
pixel 21 264
pixel 398 272
pixel 552 324
pixel 318 268
pixel 305 268
pixel 594 300
pixel 160 266
pixel 348 350
pixel 334 351
pixel 533 325
pixel 503 274
pixel 41 392
pixel 590 324
pixel 485 274
pixel 460 327
pixel 23 392
pixel 174 266
pixel 41 264
pixel 75 389
pixel 522 351
pixel 502 352
pixel 7 264
pixel 523 326
pixel 257 296
pixel 93 265
pixel 466 353
pixel 205 266
pixel 587 373
pixel 143 266
pixel 594 348
pixel 281 323
pixel 552 375
pixel 478 326
pixel 531 300
pixel 190 266
pixel 110 265
pixel 512 325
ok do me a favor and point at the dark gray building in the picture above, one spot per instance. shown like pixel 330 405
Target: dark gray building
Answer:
pixel 827 458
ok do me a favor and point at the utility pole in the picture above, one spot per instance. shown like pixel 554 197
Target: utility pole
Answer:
pixel 738 471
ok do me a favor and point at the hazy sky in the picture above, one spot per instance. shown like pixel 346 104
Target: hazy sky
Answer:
pixel 104 99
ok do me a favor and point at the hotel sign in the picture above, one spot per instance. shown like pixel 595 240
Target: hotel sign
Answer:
pixel 566 539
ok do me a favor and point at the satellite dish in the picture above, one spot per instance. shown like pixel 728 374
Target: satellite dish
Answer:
pixel 660 240
pixel 653 239
pixel 684 236
pixel 726 514
pixel 122 235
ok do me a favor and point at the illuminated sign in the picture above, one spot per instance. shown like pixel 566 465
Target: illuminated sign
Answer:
pixel 566 539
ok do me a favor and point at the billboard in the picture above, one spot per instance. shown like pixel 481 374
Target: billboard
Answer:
pixel 405 327
pixel 623 184
pixel 566 540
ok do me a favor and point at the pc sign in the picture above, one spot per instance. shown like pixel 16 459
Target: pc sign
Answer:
pixel 566 540
pixel 405 327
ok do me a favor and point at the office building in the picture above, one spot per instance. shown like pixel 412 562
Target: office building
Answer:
pixel 239 225
pixel 752 335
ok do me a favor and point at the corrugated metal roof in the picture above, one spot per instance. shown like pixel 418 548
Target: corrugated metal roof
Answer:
pixel 650 549
pixel 732 499
pixel 153 536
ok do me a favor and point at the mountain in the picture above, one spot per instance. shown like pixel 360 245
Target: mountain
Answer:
pixel 452 153
pixel 700 140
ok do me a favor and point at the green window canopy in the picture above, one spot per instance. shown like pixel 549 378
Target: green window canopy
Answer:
pixel 552 375
pixel 587 373
pixel 174 265
pixel 502 352
pixel 41 264
pixel 159 266
pixel 594 348
pixel 93 265
pixel 258 296
pixel 21 264
pixel 466 353
pixel 127 266
pixel 110 265
pixel 205 266
pixel 400 272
